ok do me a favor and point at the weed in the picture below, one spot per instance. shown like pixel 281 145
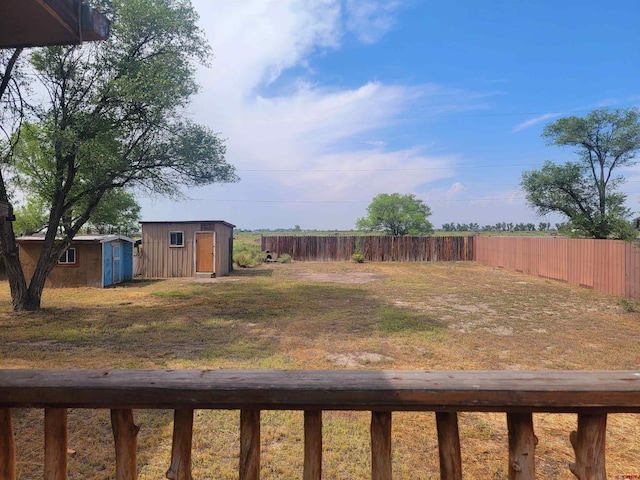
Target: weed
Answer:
pixel 285 258
pixel 357 257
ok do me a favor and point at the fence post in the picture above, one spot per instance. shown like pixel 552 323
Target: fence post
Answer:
pixel 449 446
pixel 125 433
pixel 381 445
pixel 55 443
pixel 588 443
pixel 522 446
pixel 7 446
pixel 312 445
pixel 180 468
pixel 249 444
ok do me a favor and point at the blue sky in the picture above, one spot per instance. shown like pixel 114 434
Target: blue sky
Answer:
pixel 326 103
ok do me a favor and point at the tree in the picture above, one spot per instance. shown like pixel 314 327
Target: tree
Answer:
pixel 114 119
pixel 31 217
pixel 397 215
pixel 585 191
pixel 118 212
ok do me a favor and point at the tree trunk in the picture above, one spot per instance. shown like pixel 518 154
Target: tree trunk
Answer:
pixel 9 252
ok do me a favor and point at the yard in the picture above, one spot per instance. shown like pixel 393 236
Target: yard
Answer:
pixel 325 316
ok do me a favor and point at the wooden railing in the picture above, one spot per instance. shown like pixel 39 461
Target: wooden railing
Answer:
pixel 590 394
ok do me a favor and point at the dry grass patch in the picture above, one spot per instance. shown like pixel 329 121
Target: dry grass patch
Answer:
pixel 325 316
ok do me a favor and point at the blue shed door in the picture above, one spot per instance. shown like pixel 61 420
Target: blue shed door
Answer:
pixel 117 271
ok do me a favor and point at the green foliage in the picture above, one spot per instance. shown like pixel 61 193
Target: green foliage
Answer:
pixel 30 217
pixel 285 258
pixel 117 212
pixel 357 257
pixel 115 119
pixel 397 214
pixel 630 305
pixel 248 255
pixel 585 191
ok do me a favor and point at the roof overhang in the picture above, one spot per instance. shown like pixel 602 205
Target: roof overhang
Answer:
pixel 34 23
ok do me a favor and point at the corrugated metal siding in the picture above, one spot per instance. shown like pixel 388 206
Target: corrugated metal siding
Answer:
pixel 597 264
pixel 158 259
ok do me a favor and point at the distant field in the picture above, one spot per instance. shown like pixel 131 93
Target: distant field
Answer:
pixel 325 316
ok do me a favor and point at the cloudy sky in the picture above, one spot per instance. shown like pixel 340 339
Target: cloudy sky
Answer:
pixel 326 103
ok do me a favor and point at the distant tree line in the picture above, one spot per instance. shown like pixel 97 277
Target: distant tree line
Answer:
pixel 498 227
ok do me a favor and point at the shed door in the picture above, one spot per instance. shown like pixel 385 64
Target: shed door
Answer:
pixel 117 270
pixel 204 252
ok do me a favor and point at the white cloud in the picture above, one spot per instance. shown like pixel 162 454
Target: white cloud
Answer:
pixel 369 20
pixel 534 121
pixel 306 134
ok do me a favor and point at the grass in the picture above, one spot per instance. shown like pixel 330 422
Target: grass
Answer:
pixel 325 316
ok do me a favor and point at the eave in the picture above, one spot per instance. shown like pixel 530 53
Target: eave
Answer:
pixel 33 23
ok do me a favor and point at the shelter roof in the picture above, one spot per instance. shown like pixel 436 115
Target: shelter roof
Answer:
pixel 33 23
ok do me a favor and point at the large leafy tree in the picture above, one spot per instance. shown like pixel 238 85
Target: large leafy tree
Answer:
pixel 586 191
pixel 114 118
pixel 397 214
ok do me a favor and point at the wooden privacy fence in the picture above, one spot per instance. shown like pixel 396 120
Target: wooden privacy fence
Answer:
pixel 608 266
pixel 375 248
pixel 590 394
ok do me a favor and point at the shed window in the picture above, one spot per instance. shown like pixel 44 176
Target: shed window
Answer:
pixel 176 239
pixel 69 257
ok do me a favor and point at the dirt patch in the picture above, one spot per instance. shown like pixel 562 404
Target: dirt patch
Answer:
pixel 346 277
pixel 357 359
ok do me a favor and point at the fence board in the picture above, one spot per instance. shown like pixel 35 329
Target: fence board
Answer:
pixel 608 266
pixel 375 248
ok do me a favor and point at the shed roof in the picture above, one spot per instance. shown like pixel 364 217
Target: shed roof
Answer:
pixel 78 238
pixel 191 222
pixel 33 23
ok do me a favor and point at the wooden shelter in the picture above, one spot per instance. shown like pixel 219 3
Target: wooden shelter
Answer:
pixel 91 260
pixel 33 23
pixel 186 249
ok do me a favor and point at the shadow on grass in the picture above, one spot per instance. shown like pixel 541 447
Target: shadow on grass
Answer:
pixel 251 272
pixel 203 323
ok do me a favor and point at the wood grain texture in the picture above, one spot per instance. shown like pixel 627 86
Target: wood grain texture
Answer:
pixel 500 391
pixel 312 445
pixel 249 444
pixel 589 446
pixel 381 467
pixel 522 446
pixel 449 446
pixel 180 468
pixel 125 433
pixel 375 248
pixel 7 446
pixel 55 444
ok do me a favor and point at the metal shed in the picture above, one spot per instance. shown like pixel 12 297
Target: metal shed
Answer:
pixel 91 260
pixel 186 249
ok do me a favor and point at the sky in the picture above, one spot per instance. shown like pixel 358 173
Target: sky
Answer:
pixel 324 104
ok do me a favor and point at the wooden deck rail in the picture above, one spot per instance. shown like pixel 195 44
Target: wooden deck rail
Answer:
pixel 590 394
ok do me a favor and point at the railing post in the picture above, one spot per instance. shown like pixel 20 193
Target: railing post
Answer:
pixel 249 444
pixel 180 468
pixel 381 445
pixel 55 443
pixel 125 433
pixel 312 445
pixel 449 446
pixel 522 446
pixel 7 446
pixel 589 446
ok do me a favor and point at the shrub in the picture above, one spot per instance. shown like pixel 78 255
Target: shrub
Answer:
pixel 247 255
pixel 244 260
pixel 357 257
pixel 285 258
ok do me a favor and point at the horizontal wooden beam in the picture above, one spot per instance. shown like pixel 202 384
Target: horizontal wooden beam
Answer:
pixel 32 23
pixel 379 390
